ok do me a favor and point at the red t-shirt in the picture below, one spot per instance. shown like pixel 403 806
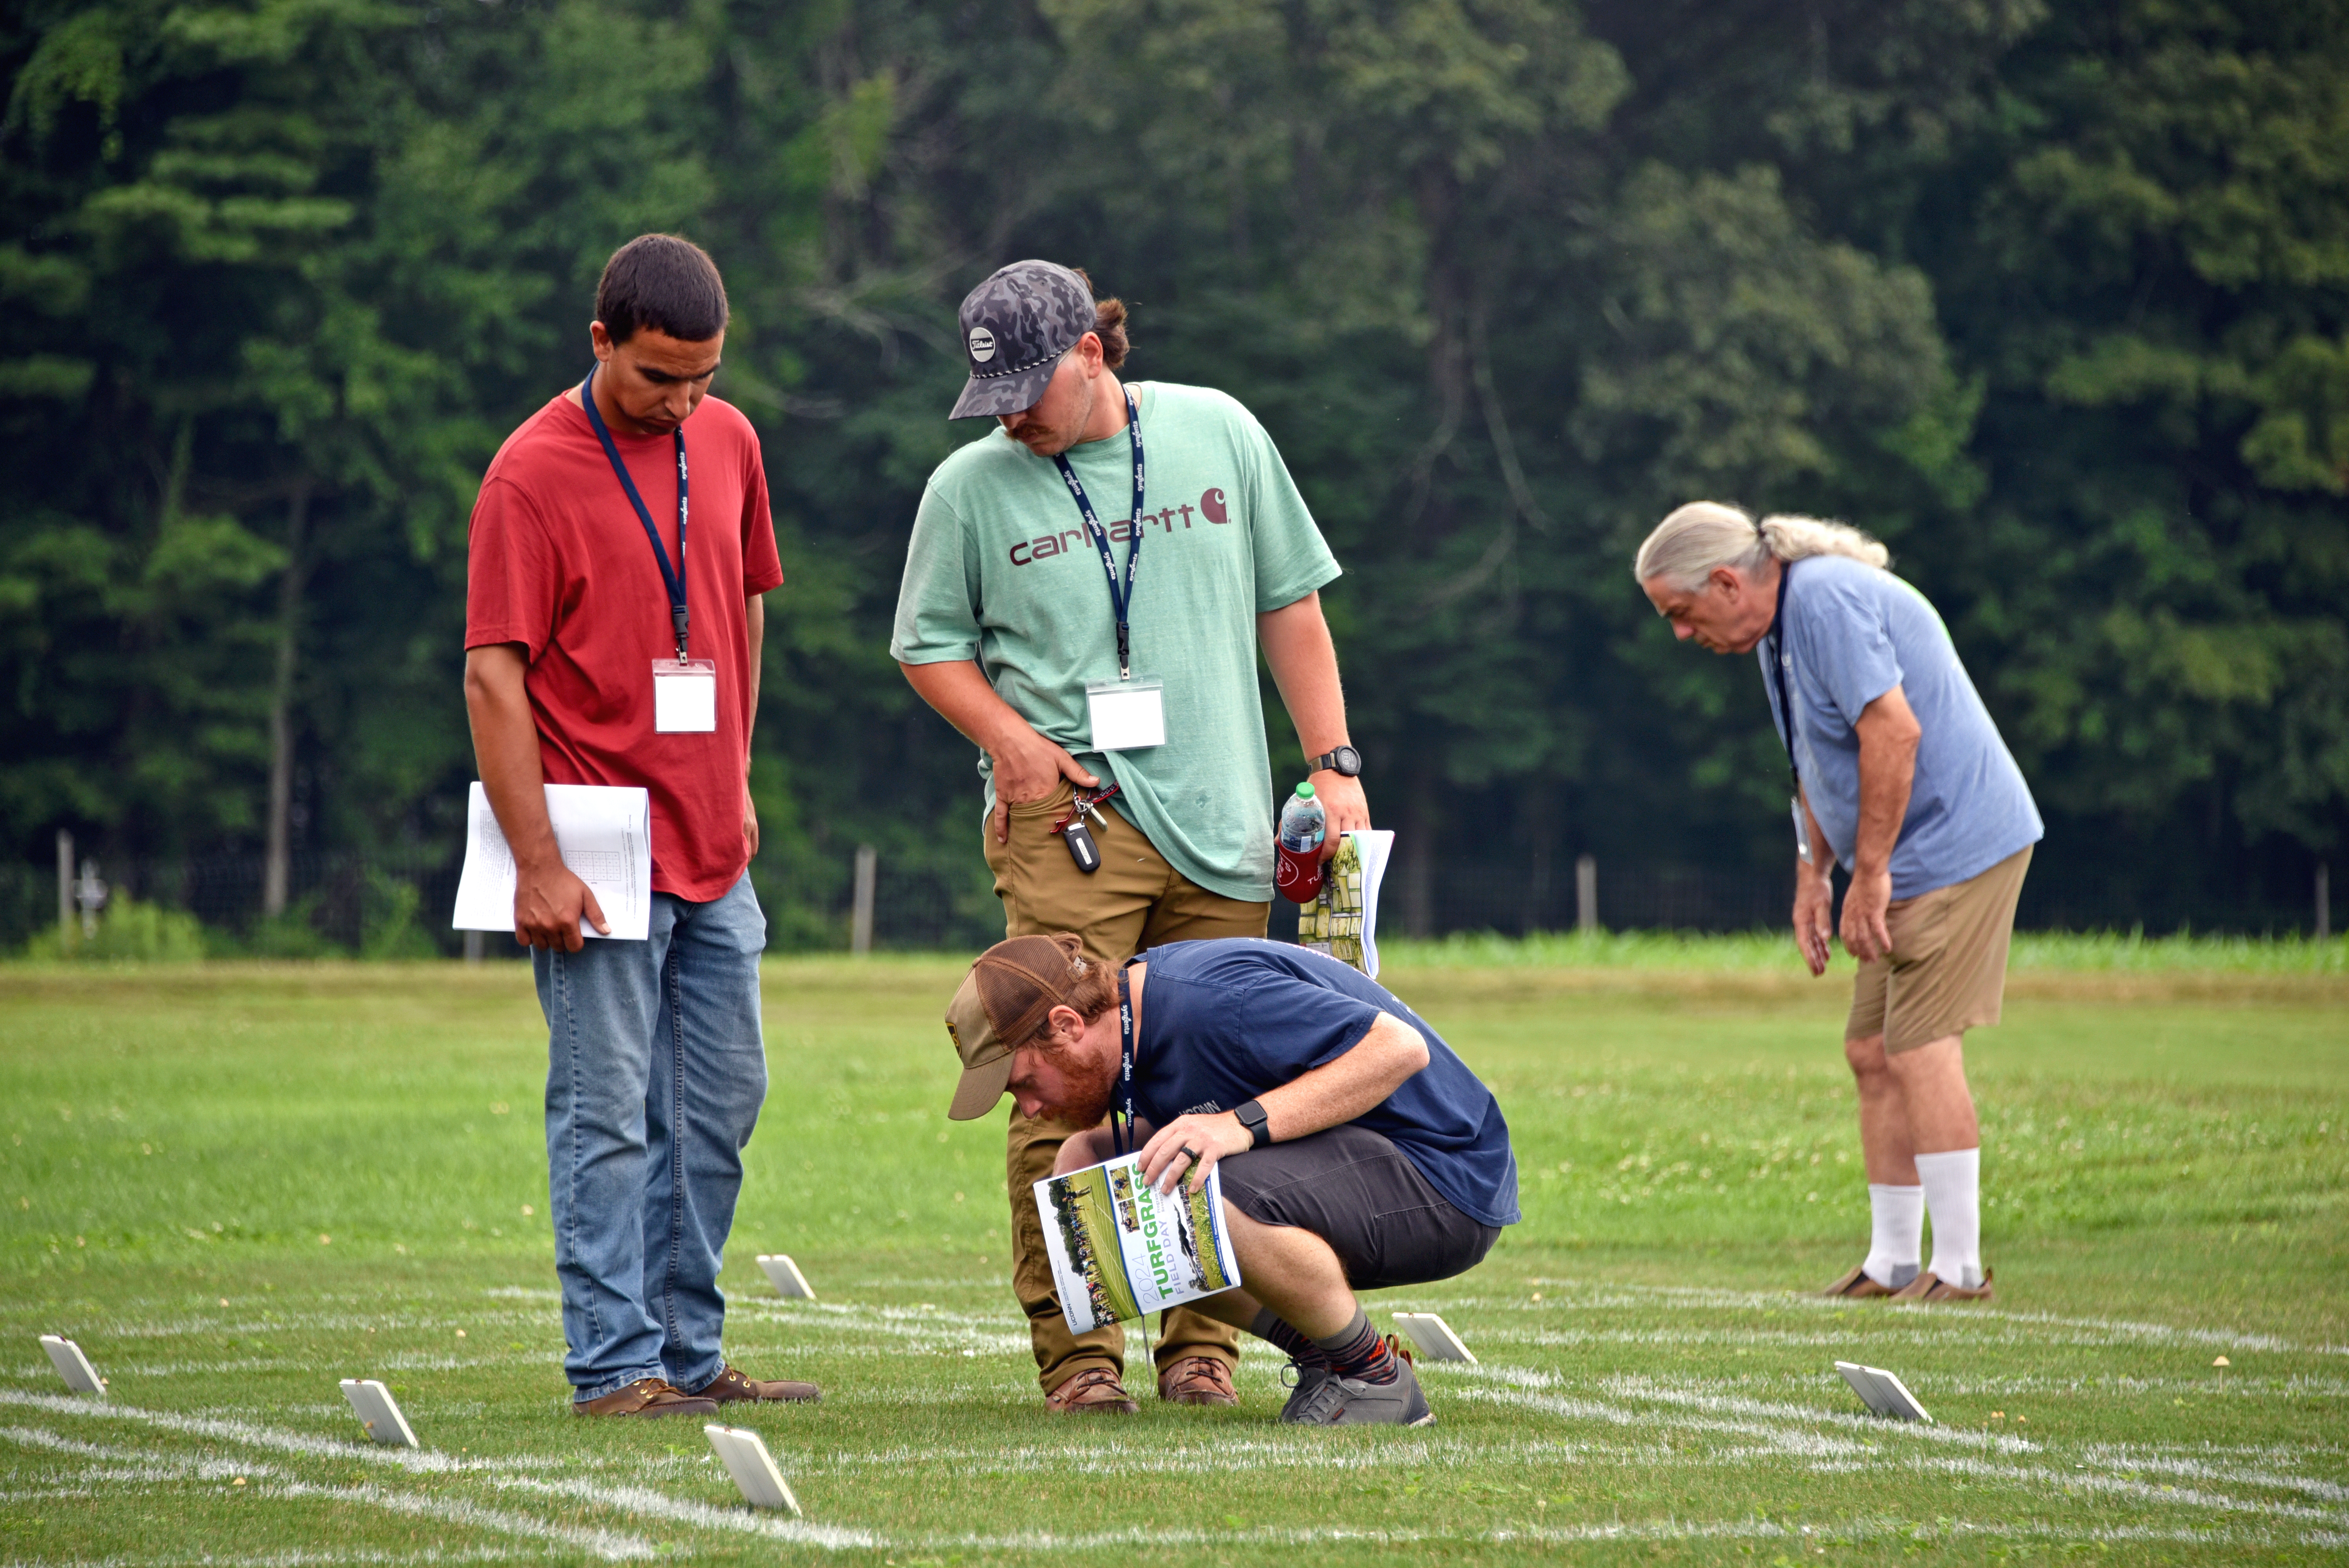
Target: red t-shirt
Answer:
pixel 557 561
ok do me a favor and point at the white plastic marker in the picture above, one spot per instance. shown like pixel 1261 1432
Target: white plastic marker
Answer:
pixel 744 1454
pixel 1882 1392
pixel 379 1413
pixel 1433 1336
pixel 790 1284
pixel 73 1366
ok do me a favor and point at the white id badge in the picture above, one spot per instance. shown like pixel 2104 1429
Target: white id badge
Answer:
pixel 685 696
pixel 1127 716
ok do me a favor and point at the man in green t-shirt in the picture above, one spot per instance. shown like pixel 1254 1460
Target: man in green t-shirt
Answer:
pixel 1091 623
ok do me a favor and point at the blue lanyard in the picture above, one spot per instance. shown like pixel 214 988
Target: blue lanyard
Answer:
pixel 1778 660
pixel 677 617
pixel 1122 1126
pixel 1121 599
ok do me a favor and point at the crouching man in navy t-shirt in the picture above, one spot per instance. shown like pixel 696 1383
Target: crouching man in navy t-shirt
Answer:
pixel 1357 1152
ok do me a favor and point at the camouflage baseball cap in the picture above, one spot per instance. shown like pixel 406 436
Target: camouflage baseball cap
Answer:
pixel 1002 1002
pixel 1015 327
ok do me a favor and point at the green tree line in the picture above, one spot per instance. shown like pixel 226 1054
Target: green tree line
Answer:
pixel 2049 295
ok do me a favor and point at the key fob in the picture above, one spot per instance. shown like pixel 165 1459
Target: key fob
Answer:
pixel 1081 848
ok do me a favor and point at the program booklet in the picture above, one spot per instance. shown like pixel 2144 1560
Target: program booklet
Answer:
pixel 1119 1250
pixel 1342 920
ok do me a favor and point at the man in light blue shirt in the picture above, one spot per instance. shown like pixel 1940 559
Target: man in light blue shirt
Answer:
pixel 1900 776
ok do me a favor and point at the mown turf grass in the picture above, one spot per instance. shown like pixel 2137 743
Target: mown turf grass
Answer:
pixel 234 1185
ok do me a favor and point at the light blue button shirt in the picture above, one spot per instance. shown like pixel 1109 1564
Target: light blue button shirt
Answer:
pixel 1850 634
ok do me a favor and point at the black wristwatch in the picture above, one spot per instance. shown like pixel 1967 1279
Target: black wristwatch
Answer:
pixel 1251 1117
pixel 1345 761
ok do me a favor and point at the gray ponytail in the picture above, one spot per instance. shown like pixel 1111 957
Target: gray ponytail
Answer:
pixel 1686 546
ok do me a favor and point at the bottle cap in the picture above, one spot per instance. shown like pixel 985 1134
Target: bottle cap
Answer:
pixel 1305 791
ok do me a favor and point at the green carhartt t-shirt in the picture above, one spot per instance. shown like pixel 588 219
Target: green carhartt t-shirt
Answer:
pixel 999 570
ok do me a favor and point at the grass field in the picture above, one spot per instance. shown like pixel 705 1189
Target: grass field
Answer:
pixel 234 1185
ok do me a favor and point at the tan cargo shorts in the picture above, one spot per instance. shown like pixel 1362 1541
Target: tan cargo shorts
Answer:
pixel 1947 973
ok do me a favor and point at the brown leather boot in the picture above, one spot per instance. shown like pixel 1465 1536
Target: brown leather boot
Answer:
pixel 732 1387
pixel 1096 1391
pixel 1197 1380
pixel 645 1397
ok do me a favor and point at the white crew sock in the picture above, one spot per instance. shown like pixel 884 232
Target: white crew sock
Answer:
pixel 1953 1197
pixel 1896 1242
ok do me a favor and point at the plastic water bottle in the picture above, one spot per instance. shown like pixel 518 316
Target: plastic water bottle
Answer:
pixel 1298 872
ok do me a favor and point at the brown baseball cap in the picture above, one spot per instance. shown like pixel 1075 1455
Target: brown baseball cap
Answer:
pixel 1002 1002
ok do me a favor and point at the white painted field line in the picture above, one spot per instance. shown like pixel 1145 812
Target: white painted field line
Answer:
pixel 1833 1453
pixel 267 1480
pixel 638 1501
pixel 1853 1532
pixel 2121 1328
pixel 2192 1469
pixel 2120 1485
pixel 2107 1457
pixel 422 1460
pixel 646 1503
pixel 423 1557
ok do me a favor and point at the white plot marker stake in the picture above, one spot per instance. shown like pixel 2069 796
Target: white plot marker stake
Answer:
pixel 744 1454
pixel 379 1413
pixel 789 1283
pixel 1882 1392
pixel 73 1366
pixel 1433 1336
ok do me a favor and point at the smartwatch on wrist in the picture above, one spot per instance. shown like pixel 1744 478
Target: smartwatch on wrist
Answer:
pixel 1252 1116
pixel 1345 761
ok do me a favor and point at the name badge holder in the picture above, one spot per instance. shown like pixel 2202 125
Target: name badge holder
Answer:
pixel 1126 714
pixel 685 696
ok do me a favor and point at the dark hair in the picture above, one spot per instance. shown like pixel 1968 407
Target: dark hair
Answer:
pixel 1109 325
pixel 663 282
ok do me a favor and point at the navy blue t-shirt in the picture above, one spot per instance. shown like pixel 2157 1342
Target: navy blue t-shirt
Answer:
pixel 1228 1020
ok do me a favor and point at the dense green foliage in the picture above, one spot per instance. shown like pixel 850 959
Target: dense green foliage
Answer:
pixel 234 1185
pixel 2051 297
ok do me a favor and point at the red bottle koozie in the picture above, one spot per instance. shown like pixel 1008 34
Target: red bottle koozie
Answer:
pixel 1298 874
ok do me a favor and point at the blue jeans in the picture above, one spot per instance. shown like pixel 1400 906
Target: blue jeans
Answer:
pixel 655 1069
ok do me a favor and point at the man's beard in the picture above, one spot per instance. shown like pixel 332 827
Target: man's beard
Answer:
pixel 1091 1080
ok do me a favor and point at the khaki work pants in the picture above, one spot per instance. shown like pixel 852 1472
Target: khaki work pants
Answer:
pixel 1135 900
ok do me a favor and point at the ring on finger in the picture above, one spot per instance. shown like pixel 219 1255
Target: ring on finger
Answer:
pixel 1194 1153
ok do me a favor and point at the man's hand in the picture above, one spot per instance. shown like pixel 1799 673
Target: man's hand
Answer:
pixel 1342 803
pixel 1813 916
pixel 1191 1146
pixel 751 824
pixel 1029 767
pixel 1864 935
pixel 548 903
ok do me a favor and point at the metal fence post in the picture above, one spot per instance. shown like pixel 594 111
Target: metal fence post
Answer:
pixel 1586 894
pixel 473 946
pixel 65 888
pixel 2323 901
pixel 860 921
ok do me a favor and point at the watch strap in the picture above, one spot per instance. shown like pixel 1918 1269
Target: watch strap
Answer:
pixel 1252 1116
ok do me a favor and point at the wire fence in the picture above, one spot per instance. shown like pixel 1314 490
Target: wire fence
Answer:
pixel 398 904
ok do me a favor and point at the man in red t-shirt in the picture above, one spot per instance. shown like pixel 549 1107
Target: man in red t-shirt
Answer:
pixel 591 581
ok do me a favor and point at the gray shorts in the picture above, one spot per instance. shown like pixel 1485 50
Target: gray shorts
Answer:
pixel 1356 1191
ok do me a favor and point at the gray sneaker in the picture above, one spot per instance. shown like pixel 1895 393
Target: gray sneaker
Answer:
pixel 1305 1380
pixel 1337 1401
